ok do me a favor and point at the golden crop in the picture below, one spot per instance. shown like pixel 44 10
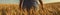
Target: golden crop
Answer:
pixel 13 9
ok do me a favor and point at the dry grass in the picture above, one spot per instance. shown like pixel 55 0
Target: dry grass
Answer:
pixel 13 9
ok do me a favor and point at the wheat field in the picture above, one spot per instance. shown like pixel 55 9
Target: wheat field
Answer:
pixel 13 9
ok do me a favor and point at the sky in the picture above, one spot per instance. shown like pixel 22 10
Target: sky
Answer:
pixel 17 1
pixel 9 1
pixel 50 1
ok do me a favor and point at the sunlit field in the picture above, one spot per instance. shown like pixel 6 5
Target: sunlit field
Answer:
pixel 13 9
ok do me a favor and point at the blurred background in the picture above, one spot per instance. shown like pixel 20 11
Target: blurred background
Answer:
pixel 17 1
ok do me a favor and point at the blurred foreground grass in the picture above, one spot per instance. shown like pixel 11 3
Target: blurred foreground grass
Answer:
pixel 13 9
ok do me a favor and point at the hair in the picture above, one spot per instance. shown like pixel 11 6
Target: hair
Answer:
pixel 28 7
